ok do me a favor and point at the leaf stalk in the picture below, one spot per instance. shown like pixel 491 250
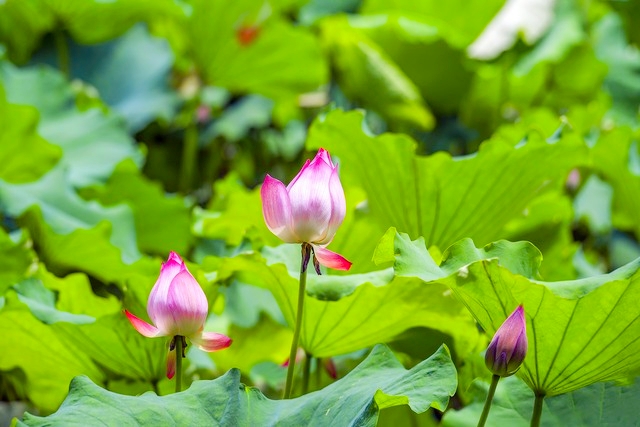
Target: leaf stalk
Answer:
pixel 537 410
pixel 306 251
pixel 179 341
pixel 487 403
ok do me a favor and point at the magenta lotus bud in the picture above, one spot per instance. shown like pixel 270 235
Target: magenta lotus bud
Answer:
pixel 508 348
pixel 178 306
pixel 330 367
pixel 309 210
pixel 300 355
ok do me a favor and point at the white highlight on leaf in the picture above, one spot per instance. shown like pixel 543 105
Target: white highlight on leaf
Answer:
pixel 531 18
pixel 463 272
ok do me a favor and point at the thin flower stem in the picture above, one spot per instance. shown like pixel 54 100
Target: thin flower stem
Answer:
pixel 318 373
pixel 189 157
pixel 537 410
pixel 179 349
pixel 305 373
pixel 487 403
pixel 296 332
pixel 62 50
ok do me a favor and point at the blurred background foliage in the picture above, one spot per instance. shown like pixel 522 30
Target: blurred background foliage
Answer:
pixel 130 128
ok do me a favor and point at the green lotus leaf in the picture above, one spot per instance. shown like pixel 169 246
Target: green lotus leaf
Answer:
pixel 357 311
pixel 580 332
pixel 266 341
pixel 16 261
pixel 439 197
pixel 75 295
pixel 42 303
pixel 48 363
pixel 369 76
pixel 130 73
pixel 114 345
pixel 89 250
pixel 379 382
pixel 617 157
pixel 623 60
pixel 548 225
pixel 24 23
pixel 65 212
pixel 411 43
pixel 234 213
pixel 593 406
pixel 462 21
pixel 25 155
pixel 152 209
pixel 93 142
pixel 247 47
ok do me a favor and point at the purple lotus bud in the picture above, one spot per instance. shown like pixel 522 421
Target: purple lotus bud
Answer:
pixel 508 348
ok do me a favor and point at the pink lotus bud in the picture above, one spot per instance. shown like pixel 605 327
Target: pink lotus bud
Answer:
pixel 330 367
pixel 508 348
pixel 300 355
pixel 178 306
pixel 328 363
pixel 309 210
pixel 203 113
pixel 247 34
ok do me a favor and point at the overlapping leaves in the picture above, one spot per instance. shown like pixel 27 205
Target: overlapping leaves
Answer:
pixel 352 312
pixel 24 23
pixel 71 178
pixel 130 73
pixel 25 155
pixel 378 382
pixel 93 141
pixel 46 377
pixel 247 46
pixel 368 75
pixel 580 332
pixel 439 197
pixel 90 146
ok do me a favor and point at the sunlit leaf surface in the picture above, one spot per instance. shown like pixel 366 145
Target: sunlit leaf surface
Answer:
pixel 378 382
pixel 604 404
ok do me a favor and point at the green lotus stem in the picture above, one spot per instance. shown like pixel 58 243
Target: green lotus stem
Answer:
pixel 189 157
pixel 179 349
pixel 537 410
pixel 306 251
pixel 62 50
pixel 318 373
pixel 306 373
pixel 214 161
pixel 487 403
